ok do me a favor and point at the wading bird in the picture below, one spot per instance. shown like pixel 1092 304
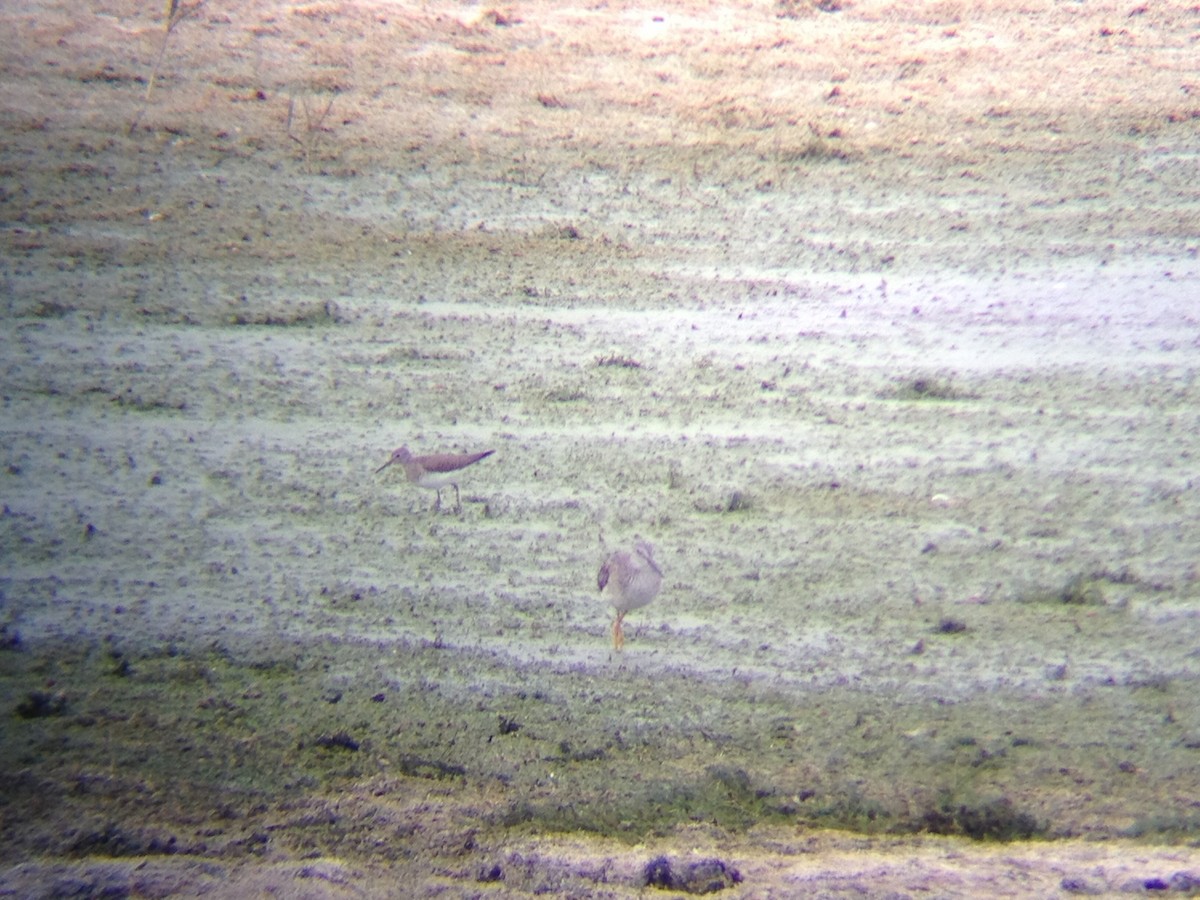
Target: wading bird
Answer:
pixel 629 581
pixel 435 471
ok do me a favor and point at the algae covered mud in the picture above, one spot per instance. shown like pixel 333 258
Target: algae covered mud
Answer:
pixel 889 349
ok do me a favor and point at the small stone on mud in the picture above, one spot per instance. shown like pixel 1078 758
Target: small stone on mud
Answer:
pixel 1185 881
pixel 658 873
pixel 339 740
pixel 951 626
pixel 737 502
pixel 703 876
pixel 490 873
pixel 9 640
pixel 1080 886
pixel 39 704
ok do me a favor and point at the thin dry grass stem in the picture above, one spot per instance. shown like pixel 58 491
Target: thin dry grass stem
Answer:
pixel 313 126
pixel 172 16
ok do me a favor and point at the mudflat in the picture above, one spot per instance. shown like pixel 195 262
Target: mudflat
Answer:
pixel 878 322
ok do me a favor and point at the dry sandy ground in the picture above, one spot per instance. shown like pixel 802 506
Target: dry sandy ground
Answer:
pixel 879 320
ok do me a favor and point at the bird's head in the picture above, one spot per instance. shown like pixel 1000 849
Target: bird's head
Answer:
pixel 399 455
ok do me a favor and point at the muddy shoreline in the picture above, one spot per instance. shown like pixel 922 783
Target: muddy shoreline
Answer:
pixel 879 324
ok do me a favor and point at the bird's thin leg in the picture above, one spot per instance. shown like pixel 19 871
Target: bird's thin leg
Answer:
pixel 437 506
pixel 618 632
pixel 457 498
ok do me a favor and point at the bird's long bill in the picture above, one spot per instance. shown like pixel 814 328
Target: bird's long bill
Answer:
pixel 385 465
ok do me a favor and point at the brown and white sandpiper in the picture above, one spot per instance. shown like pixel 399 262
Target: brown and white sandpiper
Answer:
pixel 629 581
pixel 434 471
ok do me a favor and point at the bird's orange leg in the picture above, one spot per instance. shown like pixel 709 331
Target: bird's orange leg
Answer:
pixel 618 632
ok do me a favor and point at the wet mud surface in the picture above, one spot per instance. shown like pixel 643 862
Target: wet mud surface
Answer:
pixel 879 324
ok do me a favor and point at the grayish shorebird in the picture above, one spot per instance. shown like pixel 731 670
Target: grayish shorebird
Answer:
pixel 629 581
pixel 435 471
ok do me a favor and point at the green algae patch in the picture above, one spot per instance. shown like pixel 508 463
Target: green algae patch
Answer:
pixel 1100 587
pixel 718 795
pixel 338 748
pixel 994 820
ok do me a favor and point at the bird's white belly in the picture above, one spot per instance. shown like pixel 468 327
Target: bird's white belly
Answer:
pixel 435 480
pixel 641 589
